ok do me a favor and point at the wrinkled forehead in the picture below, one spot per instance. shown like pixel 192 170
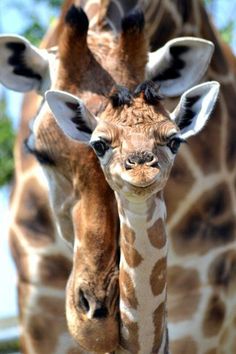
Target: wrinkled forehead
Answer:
pixel 136 122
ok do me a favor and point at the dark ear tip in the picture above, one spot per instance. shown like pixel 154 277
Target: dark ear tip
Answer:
pixel 177 50
pixel 17 46
pixel 133 21
pixel 77 18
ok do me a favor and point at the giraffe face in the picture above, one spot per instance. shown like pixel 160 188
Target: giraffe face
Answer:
pixel 135 138
pixel 137 149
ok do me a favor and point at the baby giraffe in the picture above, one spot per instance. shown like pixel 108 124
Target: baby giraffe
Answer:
pixel 136 140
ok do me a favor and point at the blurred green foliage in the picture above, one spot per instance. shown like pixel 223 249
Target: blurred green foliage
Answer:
pixel 227 31
pixel 37 27
pixel 10 346
pixel 7 137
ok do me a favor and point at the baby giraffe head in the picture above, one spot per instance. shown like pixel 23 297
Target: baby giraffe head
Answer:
pixel 135 138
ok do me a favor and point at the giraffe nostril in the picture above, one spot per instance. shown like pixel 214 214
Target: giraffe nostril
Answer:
pixel 91 306
pixel 130 163
pixel 83 302
pixel 100 312
pixel 152 160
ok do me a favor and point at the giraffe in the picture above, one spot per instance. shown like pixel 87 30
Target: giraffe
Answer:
pixel 136 141
pixel 27 161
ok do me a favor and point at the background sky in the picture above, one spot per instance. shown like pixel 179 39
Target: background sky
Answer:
pixel 13 20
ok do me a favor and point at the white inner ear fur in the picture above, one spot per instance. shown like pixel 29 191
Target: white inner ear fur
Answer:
pixel 201 109
pixel 57 101
pixel 34 59
pixel 196 59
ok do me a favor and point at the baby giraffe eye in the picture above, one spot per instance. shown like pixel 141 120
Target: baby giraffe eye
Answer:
pixel 174 144
pixel 100 147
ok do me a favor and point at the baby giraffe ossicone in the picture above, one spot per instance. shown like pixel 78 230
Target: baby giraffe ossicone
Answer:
pixel 136 140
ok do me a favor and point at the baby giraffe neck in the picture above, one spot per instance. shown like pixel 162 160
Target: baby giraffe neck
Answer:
pixel 143 268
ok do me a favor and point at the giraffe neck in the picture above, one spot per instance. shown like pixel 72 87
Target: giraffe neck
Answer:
pixel 143 275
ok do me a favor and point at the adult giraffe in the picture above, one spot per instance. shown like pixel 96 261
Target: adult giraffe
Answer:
pixel 184 17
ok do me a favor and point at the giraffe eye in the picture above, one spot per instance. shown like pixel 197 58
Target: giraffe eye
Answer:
pixel 100 147
pixel 174 144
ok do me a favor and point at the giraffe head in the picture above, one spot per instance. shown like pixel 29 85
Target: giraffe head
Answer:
pixel 83 205
pixel 136 139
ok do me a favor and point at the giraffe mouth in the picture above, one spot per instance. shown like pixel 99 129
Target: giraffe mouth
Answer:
pixel 145 183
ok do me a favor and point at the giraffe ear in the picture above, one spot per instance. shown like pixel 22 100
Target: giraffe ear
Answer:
pixel 71 115
pixel 179 65
pixel 23 67
pixel 195 107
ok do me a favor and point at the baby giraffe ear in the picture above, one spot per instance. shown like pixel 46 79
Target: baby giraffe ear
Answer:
pixel 179 65
pixel 23 67
pixel 71 115
pixel 195 107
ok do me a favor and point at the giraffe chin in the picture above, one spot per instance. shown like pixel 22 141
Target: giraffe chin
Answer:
pixel 100 336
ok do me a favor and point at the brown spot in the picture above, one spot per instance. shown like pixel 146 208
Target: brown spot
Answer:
pixel 129 235
pixel 208 225
pixel 132 256
pixel 214 316
pixel 35 218
pixel 229 97
pixel 183 293
pixel 53 306
pixel 222 271
pixel 54 270
pixel 182 280
pixel 164 30
pixel 159 317
pixel 158 277
pixel 185 345
pixel 127 291
pixel 38 327
pixel 179 184
pixel 210 162
pixel 131 344
pixel 182 307
pixel 211 351
pixel 75 351
pixel 157 234
pixel 48 314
